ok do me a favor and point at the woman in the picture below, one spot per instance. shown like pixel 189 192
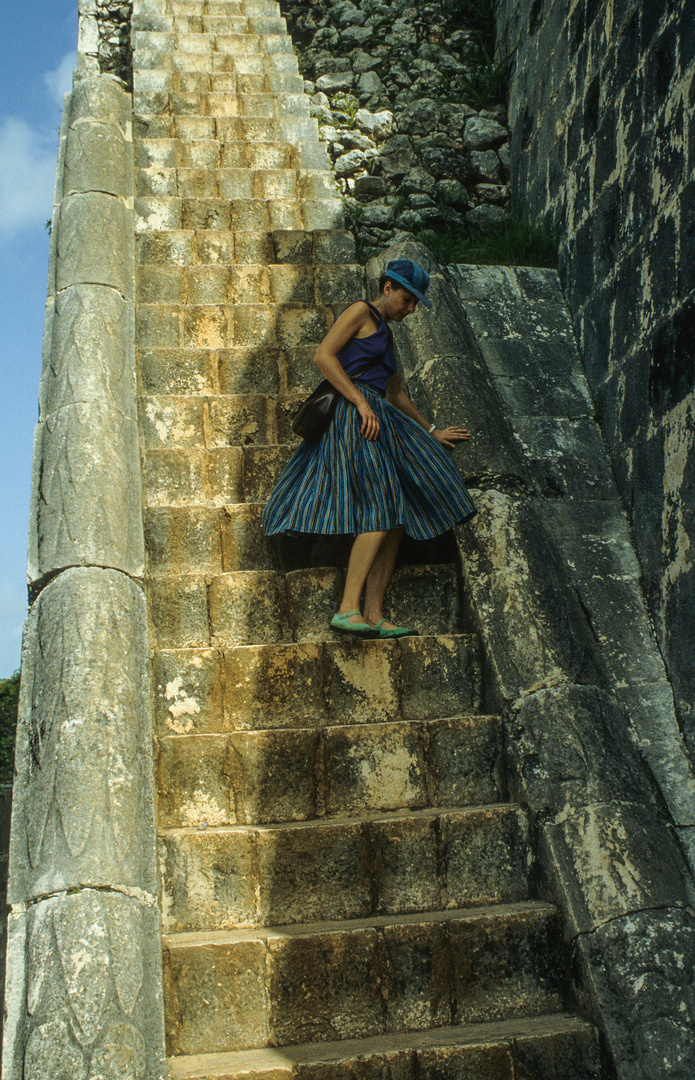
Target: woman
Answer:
pixel 380 469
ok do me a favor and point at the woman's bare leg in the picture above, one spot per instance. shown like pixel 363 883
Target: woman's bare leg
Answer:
pixel 379 577
pixel 364 551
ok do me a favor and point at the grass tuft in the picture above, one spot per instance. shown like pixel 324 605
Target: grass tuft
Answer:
pixel 518 241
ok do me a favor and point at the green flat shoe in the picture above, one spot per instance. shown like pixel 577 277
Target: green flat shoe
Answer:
pixel 395 631
pixel 364 630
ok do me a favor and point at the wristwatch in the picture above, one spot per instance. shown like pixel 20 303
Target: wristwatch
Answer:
pixel 431 429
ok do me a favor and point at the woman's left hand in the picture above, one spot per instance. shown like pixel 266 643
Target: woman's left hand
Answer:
pixel 450 436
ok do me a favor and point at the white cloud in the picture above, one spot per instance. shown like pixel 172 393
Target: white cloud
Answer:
pixel 59 81
pixel 27 176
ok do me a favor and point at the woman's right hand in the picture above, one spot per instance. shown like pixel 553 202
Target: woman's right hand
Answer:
pixel 370 424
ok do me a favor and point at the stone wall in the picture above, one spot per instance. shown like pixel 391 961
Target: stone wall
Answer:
pixel 413 145
pixel 553 587
pixel 603 143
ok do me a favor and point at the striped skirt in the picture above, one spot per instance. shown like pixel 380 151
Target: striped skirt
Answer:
pixel 345 484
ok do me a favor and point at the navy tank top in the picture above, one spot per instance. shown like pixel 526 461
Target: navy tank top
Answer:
pixel 359 351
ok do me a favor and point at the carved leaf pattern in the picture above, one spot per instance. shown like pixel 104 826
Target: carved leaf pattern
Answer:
pixel 50 1052
pixel 83 947
pixel 47 711
pixel 127 934
pixel 121 1055
pixel 88 361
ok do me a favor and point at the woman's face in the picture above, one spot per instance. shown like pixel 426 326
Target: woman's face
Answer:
pixel 399 302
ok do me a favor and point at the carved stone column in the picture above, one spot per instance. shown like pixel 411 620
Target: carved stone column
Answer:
pixel 84 984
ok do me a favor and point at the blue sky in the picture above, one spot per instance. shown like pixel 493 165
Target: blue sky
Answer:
pixel 40 39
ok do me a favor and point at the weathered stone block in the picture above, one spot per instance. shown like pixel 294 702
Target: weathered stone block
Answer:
pixel 640 968
pixel 437 676
pixel 171 422
pixel 485 856
pixel 240 420
pixel 362 681
pixel 176 370
pixel 84 812
pixel 81 260
pixel 313 872
pixel 158 325
pixel 404 864
pixel 381 767
pixel 90 351
pixel 244 546
pixel 270 686
pixel 103 98
pixel 179 538
pixel 248 370
pixel 216 996
pixel 159 284
pixel 417 970
pixel 86 498
pixel 175 477
pixel 248 608
pixel 465 760
pixel 570 747
pixel 208 879
pixel 611 859
pixel 313 597
pixel 316 995
pixel 159 213
pixel 538 631
pixel 334 246
pixel 173 248
pixel 426 597
pixel 188 691
pixel 207 326
pixel 527 984
pixel 179 613
pixel 260 470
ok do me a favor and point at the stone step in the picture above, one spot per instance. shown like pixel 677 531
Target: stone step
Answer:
pixel 152 76
pixel 248 989
pixel 213 422
pixel 229 129
pixel 180 199
pixel 173 213
pixel 168 167
pixel 547 1047
pixel 271 108
pixel 254 605
pixel 187 247
pixel 204 150
pixel 229 540
pixel 226 877
pixel 208 372
pixel 314 684
pixel 265 777
pixel 225 283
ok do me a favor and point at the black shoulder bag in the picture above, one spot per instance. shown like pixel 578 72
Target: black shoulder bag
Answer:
pixel 315 414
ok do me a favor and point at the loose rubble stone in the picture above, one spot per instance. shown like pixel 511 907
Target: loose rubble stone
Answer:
pixel 340 80
pixel 481 134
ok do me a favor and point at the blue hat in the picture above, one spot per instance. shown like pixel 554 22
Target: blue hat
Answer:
pixel 411 276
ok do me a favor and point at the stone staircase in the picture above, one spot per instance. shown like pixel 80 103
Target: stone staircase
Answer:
pixel 345 889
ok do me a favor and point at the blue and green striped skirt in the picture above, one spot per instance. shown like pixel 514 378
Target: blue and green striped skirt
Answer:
pixel 345 484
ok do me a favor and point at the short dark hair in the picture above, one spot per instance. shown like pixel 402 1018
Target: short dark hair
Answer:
pixel 382 282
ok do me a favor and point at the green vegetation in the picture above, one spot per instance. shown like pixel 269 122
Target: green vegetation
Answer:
pixel 9 700
pixel 516 242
